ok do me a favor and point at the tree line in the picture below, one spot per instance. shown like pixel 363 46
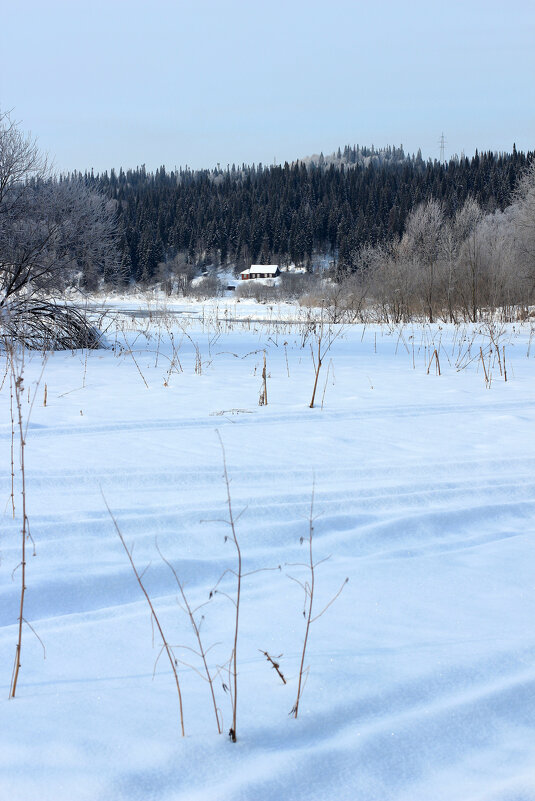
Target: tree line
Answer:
pixel 324 209
pixel 397 233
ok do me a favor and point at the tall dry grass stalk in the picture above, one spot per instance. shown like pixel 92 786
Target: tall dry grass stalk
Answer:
pixel 437 362
pixel 17 385
pixel 263 399
pixel 233 667
pixel 309 588
pixel 325 338
pixel 202 653
pixel 15 367
pixel 484 367
pixel 12 416
pixel 165 642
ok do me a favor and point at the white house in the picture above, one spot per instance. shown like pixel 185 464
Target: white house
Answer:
pixel 260 271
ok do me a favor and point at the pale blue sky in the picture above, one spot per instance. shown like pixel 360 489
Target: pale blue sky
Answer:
pixel 125 82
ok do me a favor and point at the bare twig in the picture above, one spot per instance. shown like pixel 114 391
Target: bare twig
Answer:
pixel 275 665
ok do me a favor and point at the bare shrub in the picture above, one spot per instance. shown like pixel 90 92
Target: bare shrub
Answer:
pixel 207 287
pixel 46 325
pixel 294 285
pixel 176 275
pixel 253 289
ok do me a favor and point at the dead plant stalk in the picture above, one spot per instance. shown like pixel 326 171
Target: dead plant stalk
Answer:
pixel 308 588
pixel 484 368
pixel 274 664
pixel 12 446
pixel 196 629
pixel 324 343
pixel 263 399
pixel 437 363
pixel 166 645
pixel 234 655
pixel 18 386
pixel 264 379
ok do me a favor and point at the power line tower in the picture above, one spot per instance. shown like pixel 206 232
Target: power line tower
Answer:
pixel 442 143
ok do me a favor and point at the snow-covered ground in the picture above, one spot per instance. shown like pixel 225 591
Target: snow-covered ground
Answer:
pixel 227 307
pixel 422 673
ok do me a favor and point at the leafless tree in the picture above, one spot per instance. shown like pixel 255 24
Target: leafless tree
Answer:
pixel 470 270
pixel 421 245
pixel 525 222
pixel 53 233
pixel 176 274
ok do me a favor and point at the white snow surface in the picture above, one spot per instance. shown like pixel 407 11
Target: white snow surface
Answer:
pixel 422 673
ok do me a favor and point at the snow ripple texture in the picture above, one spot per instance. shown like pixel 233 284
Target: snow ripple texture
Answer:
pixel 422 674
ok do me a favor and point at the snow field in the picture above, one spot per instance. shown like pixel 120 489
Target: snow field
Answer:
pixel 422 673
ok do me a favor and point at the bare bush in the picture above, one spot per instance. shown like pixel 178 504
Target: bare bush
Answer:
pixel 294 285
pixel 255 290
pixel 176 275
pixel 207 287
pixel 46 325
